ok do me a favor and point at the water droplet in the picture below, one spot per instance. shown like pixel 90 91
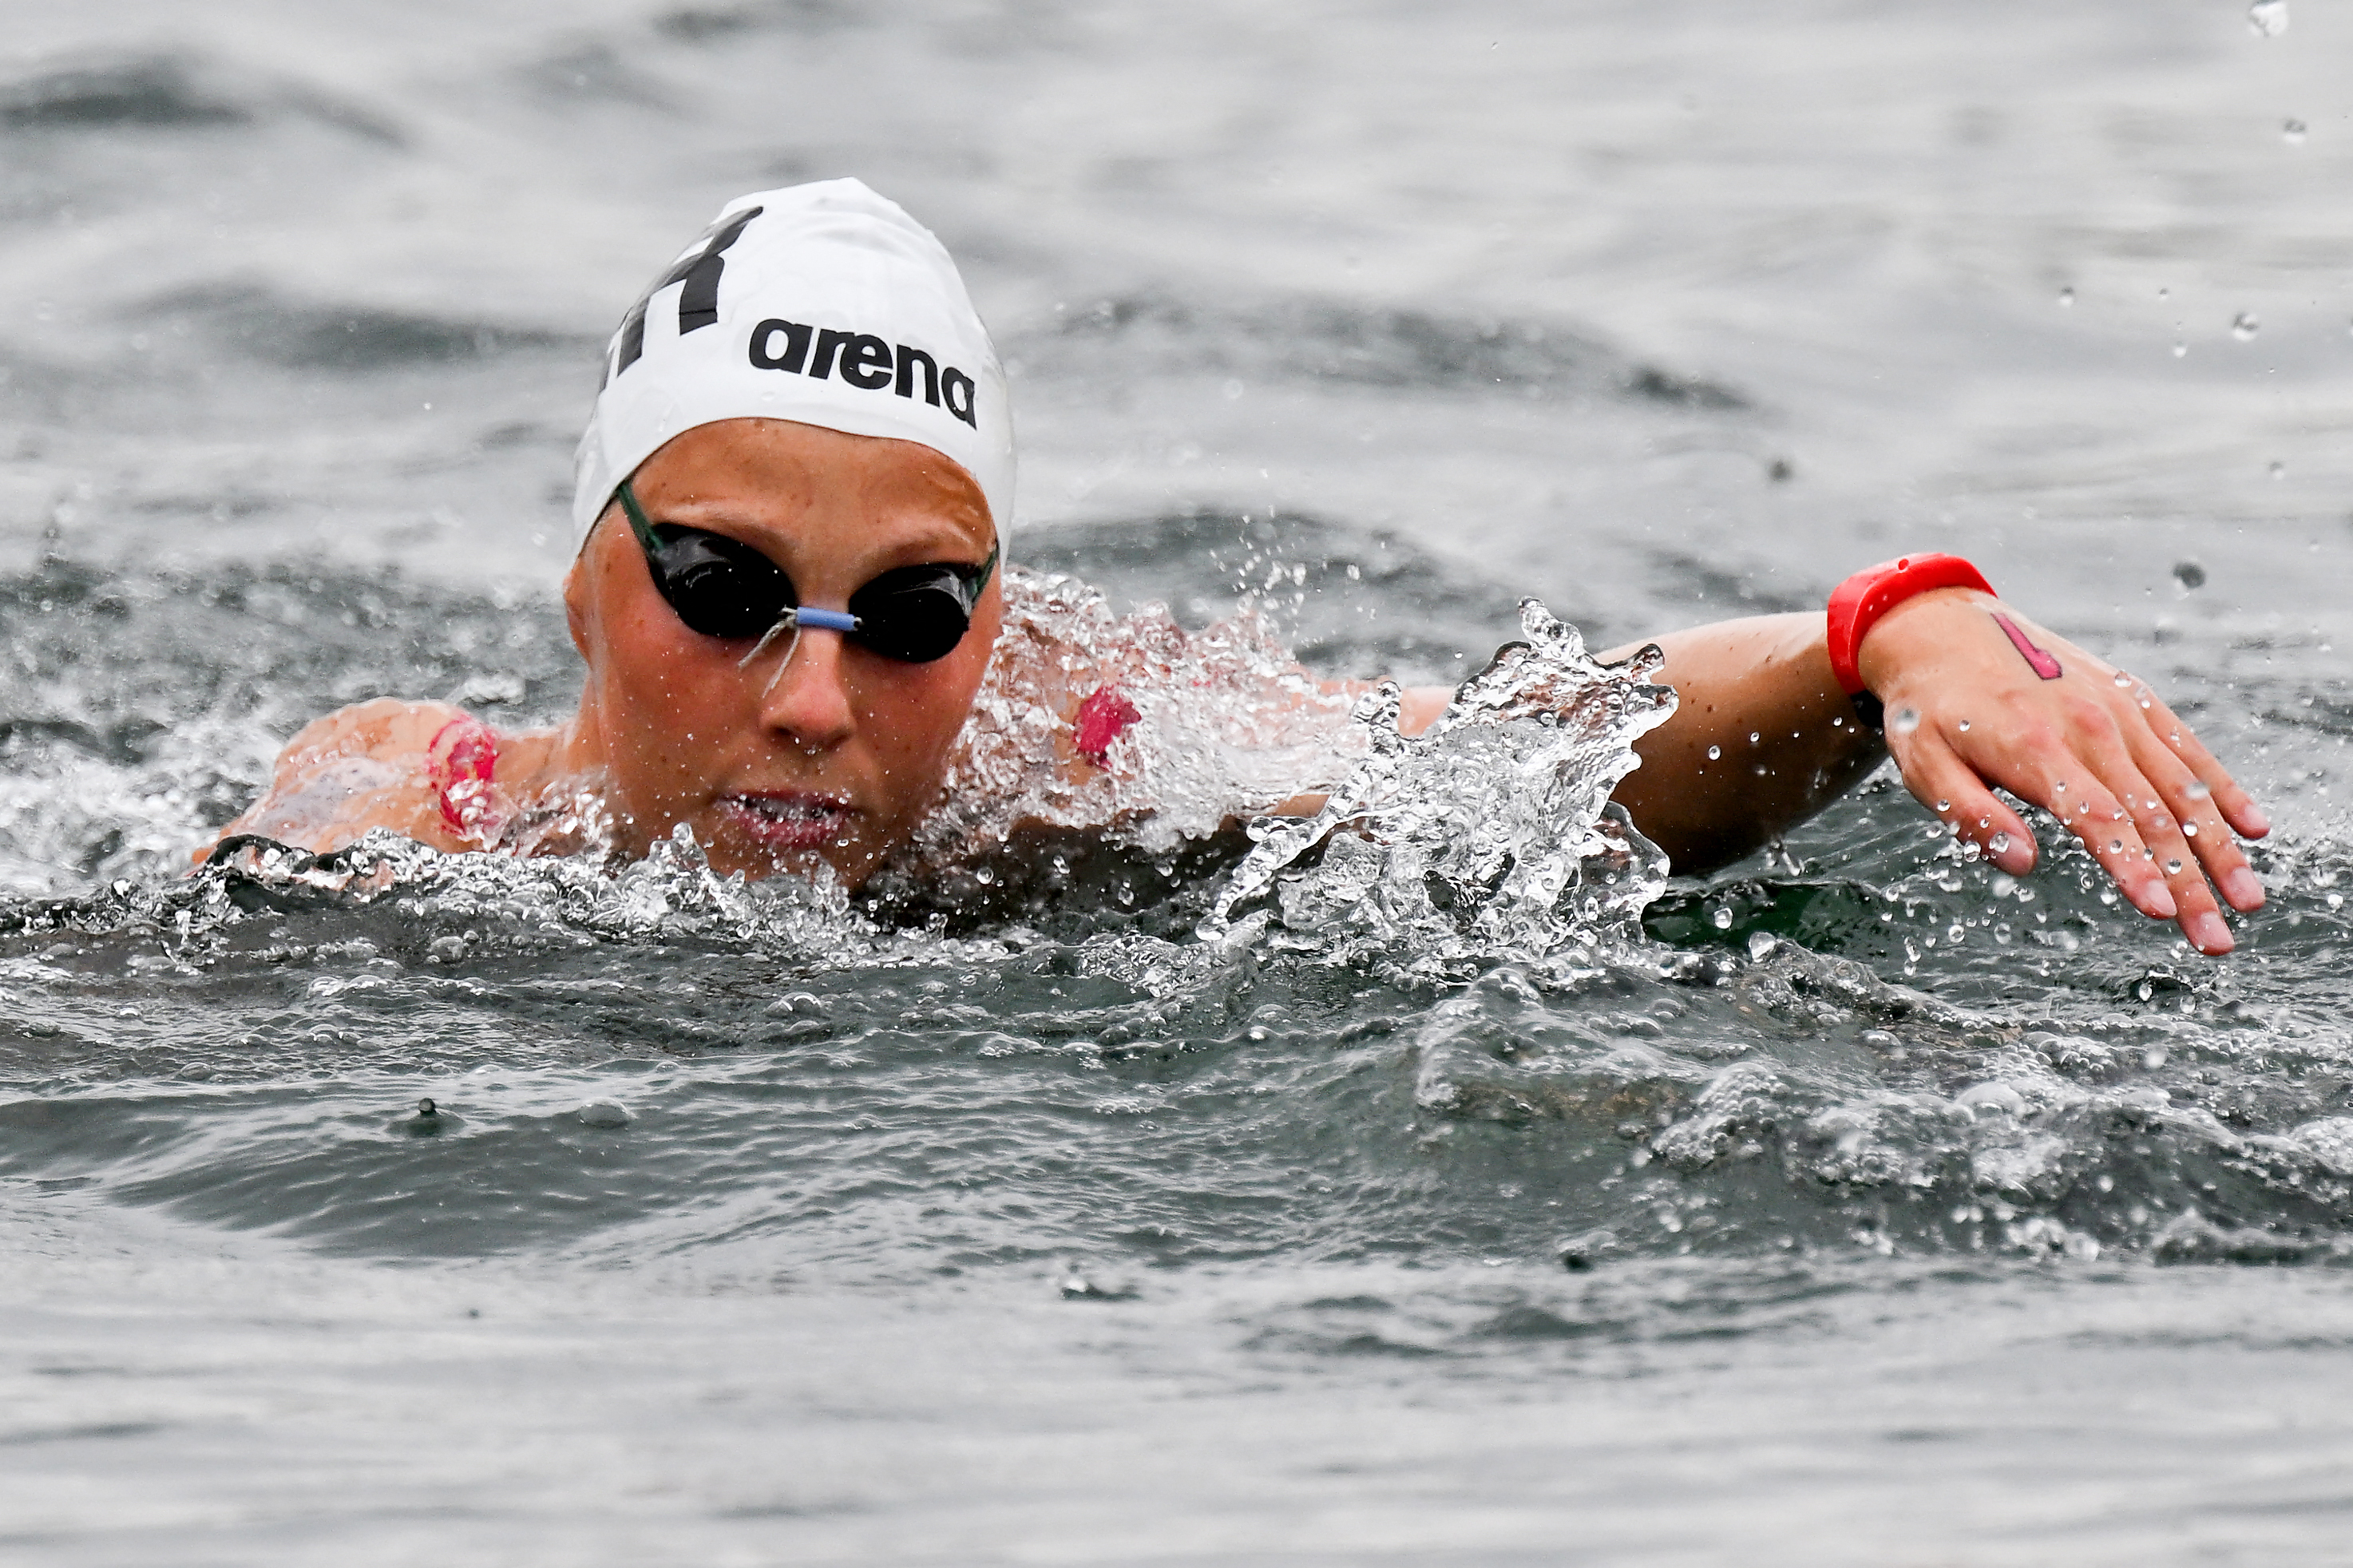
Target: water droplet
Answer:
pixel 2123 679
pixel 2244 326
pixel 2197 790
pixel 2181 350
pixel 2279 470
pixel 2115 845
pixel 2173 868
pixel 1754 737
pixel 2189 830
pixel 2268 17
pixel 1721 919
pixel 2190 574
pixel 1965 726
pixel 1998 843
pixel 1714 752
pixel 2293 133
pixel 2066 297
pixel 1906 720
pixel 1943 806
pixel 2059 788
pixel 2164 293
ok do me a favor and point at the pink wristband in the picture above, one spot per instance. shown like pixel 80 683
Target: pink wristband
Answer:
pixel 1857 604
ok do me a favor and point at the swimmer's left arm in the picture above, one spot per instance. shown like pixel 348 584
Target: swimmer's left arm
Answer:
pixel 1977 697
pixel 1761 739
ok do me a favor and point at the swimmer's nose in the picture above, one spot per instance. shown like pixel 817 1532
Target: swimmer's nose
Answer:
pixel 806 699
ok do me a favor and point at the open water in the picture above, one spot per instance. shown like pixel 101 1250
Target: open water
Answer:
pixel 1857 1206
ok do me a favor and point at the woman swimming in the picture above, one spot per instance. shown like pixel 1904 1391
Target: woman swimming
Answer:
pixel 793 494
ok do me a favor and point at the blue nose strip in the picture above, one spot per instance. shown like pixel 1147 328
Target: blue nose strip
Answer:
pixel 824 620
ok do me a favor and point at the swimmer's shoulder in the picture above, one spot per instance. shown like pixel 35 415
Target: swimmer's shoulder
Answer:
pixel 386 730
pixel 384 764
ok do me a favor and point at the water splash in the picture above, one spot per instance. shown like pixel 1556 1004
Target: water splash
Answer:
pixel 449 907
pixel 1216 725
pixel 1491 835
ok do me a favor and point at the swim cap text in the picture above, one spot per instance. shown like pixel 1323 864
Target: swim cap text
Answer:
pixel 863 361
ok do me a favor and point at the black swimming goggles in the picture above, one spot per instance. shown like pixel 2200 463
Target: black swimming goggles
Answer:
pixel 722 587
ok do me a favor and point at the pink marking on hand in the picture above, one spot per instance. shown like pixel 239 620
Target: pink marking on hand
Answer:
pixel 2041 662
pixel 1102 718
pixel 461 776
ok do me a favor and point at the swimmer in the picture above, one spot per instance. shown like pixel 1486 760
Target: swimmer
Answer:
pixel 793 496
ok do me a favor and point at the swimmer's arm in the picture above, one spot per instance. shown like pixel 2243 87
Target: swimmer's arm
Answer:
pixel 2118 767
pixel 1767 676
pixel 360 767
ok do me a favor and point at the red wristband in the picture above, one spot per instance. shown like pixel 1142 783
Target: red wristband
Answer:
pixel 1858 603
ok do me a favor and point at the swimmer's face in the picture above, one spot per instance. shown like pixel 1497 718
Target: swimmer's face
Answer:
pixel 839 756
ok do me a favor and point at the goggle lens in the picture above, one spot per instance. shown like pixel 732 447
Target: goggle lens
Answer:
pixel 915 614
pixel 722 587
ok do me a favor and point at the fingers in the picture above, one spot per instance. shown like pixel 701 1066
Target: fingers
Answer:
pixel 2197 833
pixel 1951 788
pixel 2134 815
pixel 2085 741
pixel 2236 806
pixel 2087 808
pixel 2145 835
pixel 2039 770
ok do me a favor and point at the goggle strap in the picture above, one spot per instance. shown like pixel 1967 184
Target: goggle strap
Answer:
pixel 638 523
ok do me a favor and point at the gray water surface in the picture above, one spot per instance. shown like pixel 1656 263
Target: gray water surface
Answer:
pixel 1866 1207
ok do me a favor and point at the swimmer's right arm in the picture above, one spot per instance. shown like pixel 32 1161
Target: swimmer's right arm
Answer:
pixel 368 766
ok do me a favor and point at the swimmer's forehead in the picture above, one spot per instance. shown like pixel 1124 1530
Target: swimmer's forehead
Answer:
pixel 790 480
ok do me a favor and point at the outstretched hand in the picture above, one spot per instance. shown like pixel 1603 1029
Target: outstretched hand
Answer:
pixel 1978 696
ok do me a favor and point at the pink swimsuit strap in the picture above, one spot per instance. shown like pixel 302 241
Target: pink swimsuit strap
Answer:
pixel 462 772
pixel 1101 719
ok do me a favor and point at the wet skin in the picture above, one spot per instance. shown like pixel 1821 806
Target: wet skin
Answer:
pixel 836 754
pixel 2095 747
pixel 831 754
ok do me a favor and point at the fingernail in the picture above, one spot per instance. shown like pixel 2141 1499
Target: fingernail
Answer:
pixel 2160 901
pixel 2244 889
pixel 2257 823
pixel 2208 934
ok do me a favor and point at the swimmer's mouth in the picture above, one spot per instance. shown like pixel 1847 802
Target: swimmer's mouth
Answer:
pixel 790 821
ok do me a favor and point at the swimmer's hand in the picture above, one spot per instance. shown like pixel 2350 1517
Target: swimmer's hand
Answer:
pixel 1978 696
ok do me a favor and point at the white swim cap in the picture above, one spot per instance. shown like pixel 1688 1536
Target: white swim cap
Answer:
pixel 822 303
